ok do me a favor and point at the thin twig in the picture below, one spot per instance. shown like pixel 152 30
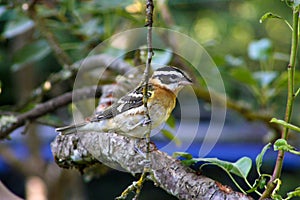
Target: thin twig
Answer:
pixel 137 186
pixel 149 22
pixel 290 102
pixel 149 13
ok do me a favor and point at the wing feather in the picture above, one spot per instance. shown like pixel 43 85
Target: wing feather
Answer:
pixel 129 101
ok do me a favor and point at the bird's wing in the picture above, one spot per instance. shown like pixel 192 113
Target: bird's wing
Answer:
pixel 129 101
pixel 70 129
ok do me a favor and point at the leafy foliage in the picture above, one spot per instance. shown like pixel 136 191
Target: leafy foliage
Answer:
pixel 259 158
pixel 285 124
pixel 249 55
pixel 240 168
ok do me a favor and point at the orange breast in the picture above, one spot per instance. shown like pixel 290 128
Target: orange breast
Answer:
pixel 162 103
pixel 166 98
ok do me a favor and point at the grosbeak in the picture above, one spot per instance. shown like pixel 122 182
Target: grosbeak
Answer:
pixel 127 115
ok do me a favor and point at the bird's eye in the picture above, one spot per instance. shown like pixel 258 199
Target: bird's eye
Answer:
pixel 173 78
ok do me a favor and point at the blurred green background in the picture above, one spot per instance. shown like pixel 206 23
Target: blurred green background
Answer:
pixel 37 43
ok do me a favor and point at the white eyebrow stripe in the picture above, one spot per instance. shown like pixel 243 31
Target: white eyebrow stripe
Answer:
pixel 167 73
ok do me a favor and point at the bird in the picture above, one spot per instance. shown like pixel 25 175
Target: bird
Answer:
pixel 127 115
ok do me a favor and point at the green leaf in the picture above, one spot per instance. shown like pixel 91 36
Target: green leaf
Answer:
pixel 171 136
pixel 171 121
pixel 32 52
pixel 221 163
pixel 259 157
pixel 263 182
pixel 17 27
pixel 285 124
pixel 243 75
pixel 281 144
pixel 276 197
pixel 188 158
pixel 269 15
pixel 183 155
pixel 297 92
pixel 259 183
pixel 188 162
pixel 255 186
pixel 240 168
pixel 295 193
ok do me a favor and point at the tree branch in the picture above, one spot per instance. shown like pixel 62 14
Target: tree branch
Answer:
pixel 149 18
pixel 47 107
pixel 88 63
pixel 83 150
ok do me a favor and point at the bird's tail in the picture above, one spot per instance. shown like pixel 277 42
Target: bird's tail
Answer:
pixel 66 130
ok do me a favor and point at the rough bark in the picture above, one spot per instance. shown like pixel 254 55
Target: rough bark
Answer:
pixel 83 150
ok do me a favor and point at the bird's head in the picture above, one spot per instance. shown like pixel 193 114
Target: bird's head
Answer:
pixel 170 78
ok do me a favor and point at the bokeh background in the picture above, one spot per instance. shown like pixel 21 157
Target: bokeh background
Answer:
pixel 38 43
